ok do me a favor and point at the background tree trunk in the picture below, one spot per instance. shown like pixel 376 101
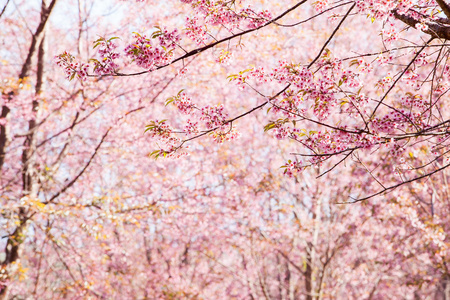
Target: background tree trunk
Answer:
pixel 30 182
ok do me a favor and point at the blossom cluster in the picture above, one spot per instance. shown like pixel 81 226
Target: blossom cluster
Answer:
pixel 379 9
pixel 164 134
pixel 72 68
pixel 194 31
pixel 182 101
pixel 167 39
pixel 108 55
pixel 334 90
pixel 213 116
pixel 221 13
pixel 292 168
pixel 213 119
pixel 224 57
pixel 150 56
pixel 355 105
pixel 225 134
pixel 255 19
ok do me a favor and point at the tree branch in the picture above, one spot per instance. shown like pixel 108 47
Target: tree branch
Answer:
pixel 397 185
pixel 435 29
pixel 204 48
pixel 4 8
pixel 445 7
pixel 332 35
pixel 36 39
pixel 68 185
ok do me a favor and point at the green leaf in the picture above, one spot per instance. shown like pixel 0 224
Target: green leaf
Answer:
pixel 157 33
pixel 244 71
pixel 154 152
pixel 169 100
pixel 232 76
pixel 359 91
pixel 269 126
pixel 354 62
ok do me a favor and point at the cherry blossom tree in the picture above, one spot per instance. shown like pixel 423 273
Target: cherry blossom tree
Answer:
pixel 348 98
pixel 404 73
